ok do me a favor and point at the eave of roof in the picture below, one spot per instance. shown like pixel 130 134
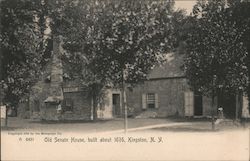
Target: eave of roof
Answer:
pixel 171 68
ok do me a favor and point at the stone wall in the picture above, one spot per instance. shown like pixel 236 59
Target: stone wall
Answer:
pixel 56 73
pixel 48 92
pixel 105 109
pixel 170 96
pixel 39 92
pixel 81 106
pixel 171 99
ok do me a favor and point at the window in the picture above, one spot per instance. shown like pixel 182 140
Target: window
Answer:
pixel 36 106
pixel 151 100
pixel 67 104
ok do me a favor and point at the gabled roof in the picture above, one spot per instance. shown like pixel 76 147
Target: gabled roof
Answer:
pixel 173 67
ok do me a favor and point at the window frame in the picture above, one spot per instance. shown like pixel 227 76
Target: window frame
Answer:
pixel 68 105
pixel 151 100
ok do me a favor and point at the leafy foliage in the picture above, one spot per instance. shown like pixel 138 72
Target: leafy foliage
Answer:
pixel 241 16
pixel 215 47
pixel 107 42
pixel 23 45
pixel 117 37
pixel 114 41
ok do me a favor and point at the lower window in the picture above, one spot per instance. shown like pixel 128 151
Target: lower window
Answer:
pixel 67 104
pixel 151 100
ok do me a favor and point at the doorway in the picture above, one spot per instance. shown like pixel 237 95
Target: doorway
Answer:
pixel 116 104
pixel 36 106
pixel 228 102
pixel 198 106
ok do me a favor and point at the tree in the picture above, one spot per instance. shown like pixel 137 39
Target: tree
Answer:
pixel 239 12
pixel 23 46
pixel 119 41
pixel 216 56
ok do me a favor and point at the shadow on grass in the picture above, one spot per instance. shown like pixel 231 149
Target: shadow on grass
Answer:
pixel 203 119
pixel 184 129
pixel 188 119
pixel 4 128
pixel 67 121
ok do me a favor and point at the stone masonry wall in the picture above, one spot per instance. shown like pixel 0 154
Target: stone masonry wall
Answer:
pixel 170 97
pixel 81 106
pixel 50 86
pixel 56 69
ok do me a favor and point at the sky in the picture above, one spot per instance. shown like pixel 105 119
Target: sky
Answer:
pixel 185 4
pixel 181 4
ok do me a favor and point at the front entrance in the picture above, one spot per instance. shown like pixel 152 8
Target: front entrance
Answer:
pixel 198 104
pixel 36 106
pixel 116 105
pixel 228 102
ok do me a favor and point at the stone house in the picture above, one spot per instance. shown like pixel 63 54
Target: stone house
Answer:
pixel 77 103
pixel 167 93
pixel 51 90
pixel 53 97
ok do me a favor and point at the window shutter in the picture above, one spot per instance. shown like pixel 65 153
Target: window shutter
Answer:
pixel 191 98
pixel 156 101
pixel 189 103
pixel 144 101
pixel 245 108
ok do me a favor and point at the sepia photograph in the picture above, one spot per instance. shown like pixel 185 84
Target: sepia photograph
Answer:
pixel 125 80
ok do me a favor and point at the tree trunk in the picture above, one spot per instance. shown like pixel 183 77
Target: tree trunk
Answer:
pixel 213 108
pixel 124 104
pixel 248 66
pixel 96 89
pixel 248 90
pixel 1 78
pixel 239 104
pixel 94 106
pixel 213 111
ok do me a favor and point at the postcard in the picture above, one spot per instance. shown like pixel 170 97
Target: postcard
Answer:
pixel 124 80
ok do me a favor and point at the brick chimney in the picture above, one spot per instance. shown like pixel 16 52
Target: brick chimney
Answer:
pixel 56 76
